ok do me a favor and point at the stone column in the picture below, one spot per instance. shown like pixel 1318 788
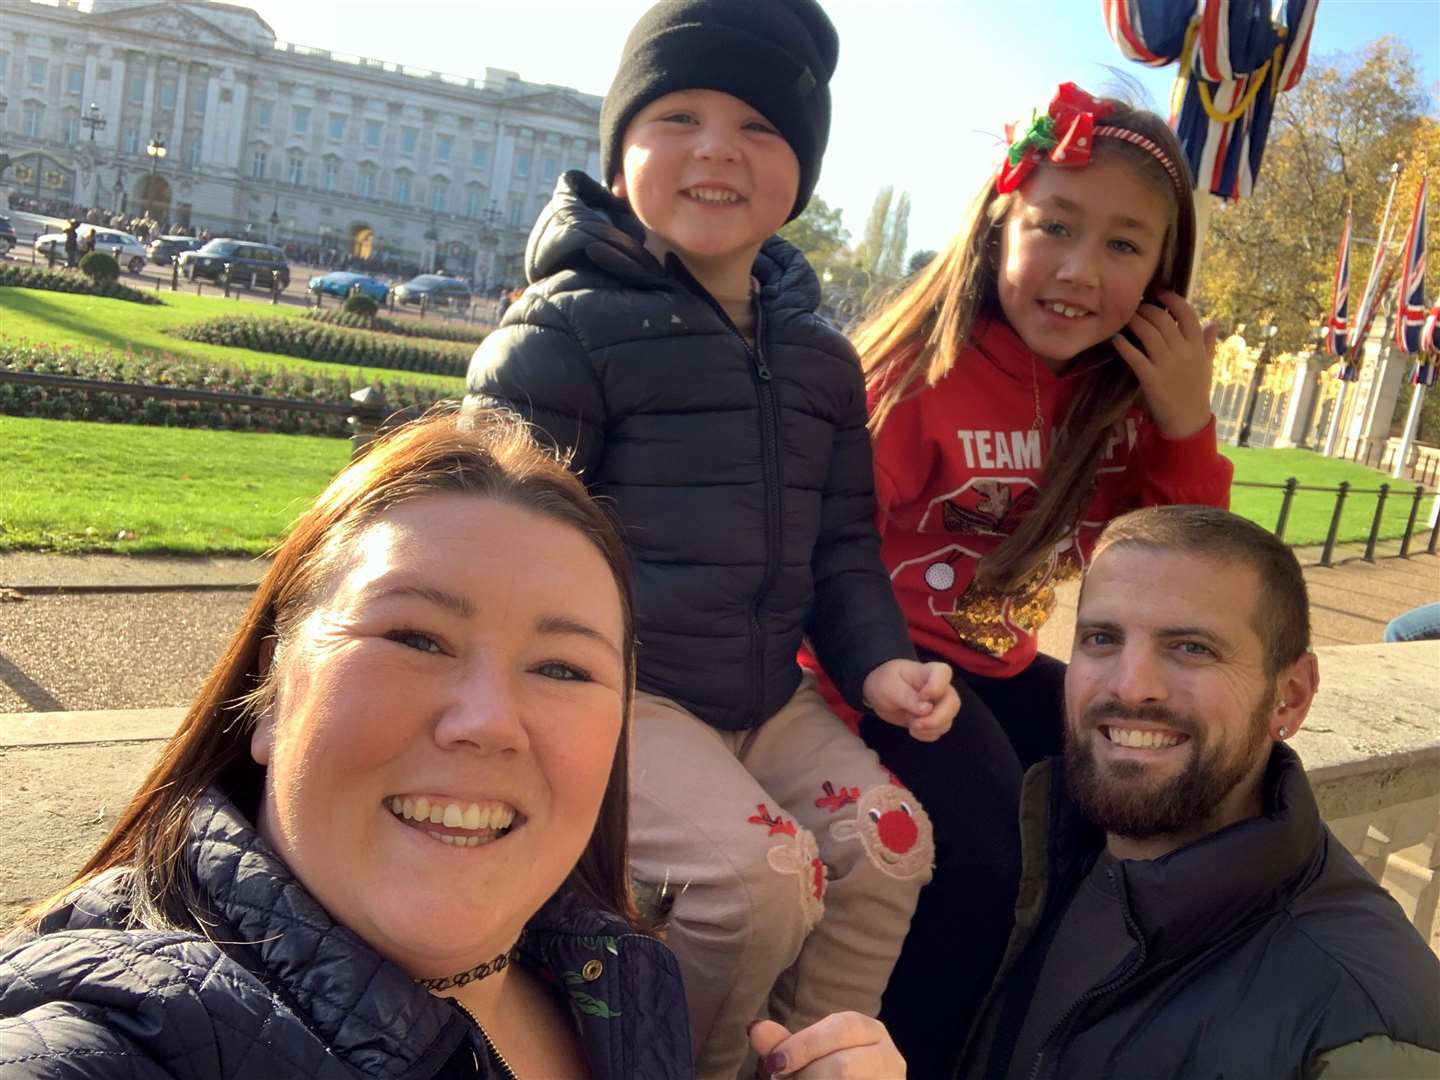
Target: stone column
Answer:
pixel 177 125
pixel 1299 404
pixel 147 110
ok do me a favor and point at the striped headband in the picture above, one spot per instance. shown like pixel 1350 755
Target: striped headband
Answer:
pixel 1150 146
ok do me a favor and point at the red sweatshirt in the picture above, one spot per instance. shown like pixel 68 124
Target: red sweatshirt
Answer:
pixel 956 466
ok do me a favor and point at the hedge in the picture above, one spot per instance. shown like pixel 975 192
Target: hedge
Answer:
pixel 22 400
pixel 403 327
pixel 304 338
pixel 32 277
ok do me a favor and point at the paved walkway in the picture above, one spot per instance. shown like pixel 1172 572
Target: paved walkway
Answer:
pixel 119 632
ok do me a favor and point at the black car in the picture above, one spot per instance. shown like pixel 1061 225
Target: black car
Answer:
pixel 8 239
pixel 250 263
pixel 438 290
pixel 163 249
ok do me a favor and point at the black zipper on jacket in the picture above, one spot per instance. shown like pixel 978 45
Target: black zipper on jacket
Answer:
pixel 770 458
pixel 1096 991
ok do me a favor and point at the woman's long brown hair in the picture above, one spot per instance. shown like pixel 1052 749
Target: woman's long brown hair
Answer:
pixel 486 454
pixel 912 343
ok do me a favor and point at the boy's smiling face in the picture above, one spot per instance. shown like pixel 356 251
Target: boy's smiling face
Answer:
pixel 710 177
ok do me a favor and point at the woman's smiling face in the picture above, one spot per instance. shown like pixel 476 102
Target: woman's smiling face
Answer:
pixel 444 725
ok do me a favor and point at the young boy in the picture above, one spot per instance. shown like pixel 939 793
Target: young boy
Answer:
pixel 670 342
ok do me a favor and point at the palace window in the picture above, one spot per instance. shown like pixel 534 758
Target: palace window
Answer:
pixel 480 156
pixel 135 88
pixel 332 174
pixel 439 195
pixel 443 144
pixel 264 110
pixel 297 170
pixel 409 139
pixel 38 70
pixel 522 164
pixel 257 164
pixel 337 126
pixel 71 129
pixel 366 188
pixel 34 118
pixel 402 188
pixel 300 118
pixel 167 93
pixel 74 80
pixel 372 133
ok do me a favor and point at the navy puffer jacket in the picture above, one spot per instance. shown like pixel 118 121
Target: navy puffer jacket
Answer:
pixel 742 475
pixel 305 999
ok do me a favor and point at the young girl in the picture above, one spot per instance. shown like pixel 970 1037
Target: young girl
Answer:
pixel 1041 376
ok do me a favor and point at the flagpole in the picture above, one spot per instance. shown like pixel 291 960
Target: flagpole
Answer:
pixel 1361 321
pixel 1411 421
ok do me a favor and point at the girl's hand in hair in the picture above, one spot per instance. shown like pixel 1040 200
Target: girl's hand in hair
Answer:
pixel 1174 363
pixel 918 697
pixel 846 1044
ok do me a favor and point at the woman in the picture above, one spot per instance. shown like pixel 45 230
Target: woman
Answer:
pixel 389 837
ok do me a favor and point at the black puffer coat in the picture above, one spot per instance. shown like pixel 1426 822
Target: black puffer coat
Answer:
pixel 1262 952
pixel 308 1000
pixel 742 476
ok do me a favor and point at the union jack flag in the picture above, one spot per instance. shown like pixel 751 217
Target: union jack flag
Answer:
pixel 1410 297
pixel 1235 57
pixel 1423 372
pixel 1337 329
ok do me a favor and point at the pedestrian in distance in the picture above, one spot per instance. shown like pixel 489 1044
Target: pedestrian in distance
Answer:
pixel 669 343
pixel 1040 376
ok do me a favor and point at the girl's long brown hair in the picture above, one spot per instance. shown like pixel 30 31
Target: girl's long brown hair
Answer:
pixel 486 454
pixel 916 339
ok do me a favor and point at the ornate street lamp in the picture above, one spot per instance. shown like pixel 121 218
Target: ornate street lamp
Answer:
pixel 93 120
pixel 1255 382
pixel 156 152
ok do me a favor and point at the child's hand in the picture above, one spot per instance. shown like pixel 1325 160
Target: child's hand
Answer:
pixel 842 1044
pixel 914 696
pixel 1175 367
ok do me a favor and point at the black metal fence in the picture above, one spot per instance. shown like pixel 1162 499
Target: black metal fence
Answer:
pixel 1342 492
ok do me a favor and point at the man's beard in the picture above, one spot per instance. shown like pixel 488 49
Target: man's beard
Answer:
pixel 1121 803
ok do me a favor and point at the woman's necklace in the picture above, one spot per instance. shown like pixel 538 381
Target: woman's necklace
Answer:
pixel 475 974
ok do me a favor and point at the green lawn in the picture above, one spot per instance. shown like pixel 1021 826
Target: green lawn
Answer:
pixel 1310 511
pixel 182 490
pixel 97 322
pixel 175 489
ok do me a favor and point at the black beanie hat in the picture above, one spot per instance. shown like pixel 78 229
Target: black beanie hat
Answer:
pixel 777 56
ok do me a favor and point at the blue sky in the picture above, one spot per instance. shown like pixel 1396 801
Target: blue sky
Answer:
pixel 921 94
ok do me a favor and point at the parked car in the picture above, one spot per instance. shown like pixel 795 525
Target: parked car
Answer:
pixel 438 288
pixel 8 239
pixel 341 282
pixel 250 263
pixel 132 251
pixel 164 249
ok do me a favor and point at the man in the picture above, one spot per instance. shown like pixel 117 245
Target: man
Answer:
pixel 1183 911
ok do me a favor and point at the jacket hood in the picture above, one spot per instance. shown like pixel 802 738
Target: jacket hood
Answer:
pixel 584 227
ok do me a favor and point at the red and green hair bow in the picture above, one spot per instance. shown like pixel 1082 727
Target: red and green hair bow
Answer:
pixel 1063 136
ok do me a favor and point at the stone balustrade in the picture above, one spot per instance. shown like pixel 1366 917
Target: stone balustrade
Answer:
pixel 1371 747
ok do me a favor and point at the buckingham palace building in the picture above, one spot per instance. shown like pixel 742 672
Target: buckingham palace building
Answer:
pixel 280 141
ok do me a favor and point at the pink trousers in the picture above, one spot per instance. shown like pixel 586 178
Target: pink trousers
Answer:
pixel 795 860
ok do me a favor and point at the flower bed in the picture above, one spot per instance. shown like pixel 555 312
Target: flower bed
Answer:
pixel 316 341
pixel 404 327
pixel 79 404
pixel 32 277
